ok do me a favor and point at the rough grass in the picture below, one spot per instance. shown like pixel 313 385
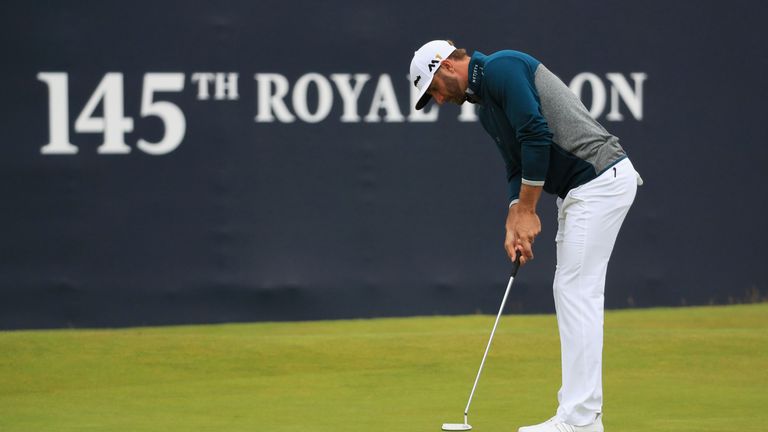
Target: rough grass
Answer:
pixel 691 369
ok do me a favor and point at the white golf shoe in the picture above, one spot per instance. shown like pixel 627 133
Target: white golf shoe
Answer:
pixel 555 425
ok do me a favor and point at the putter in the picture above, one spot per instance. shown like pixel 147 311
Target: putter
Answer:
pixel 466 426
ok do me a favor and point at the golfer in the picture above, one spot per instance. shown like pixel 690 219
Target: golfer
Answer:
pixel 548 141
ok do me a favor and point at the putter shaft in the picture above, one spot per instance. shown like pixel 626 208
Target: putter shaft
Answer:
pixel 488 347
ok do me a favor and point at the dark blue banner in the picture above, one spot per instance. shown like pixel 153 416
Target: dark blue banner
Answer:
pixel 176 162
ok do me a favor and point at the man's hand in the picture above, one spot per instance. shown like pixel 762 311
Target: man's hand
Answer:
pixel 523 225
pixel 522 228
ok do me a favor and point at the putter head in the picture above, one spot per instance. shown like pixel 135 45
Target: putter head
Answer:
pixel 456 427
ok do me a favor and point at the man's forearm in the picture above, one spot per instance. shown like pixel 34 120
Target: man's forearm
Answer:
pixel 529 197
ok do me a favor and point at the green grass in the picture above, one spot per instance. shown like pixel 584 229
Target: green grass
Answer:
pixel 692 369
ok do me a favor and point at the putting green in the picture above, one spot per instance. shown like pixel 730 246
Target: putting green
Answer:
pixel 689 369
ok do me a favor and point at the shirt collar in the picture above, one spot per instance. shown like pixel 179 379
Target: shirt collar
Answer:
pixel 476 75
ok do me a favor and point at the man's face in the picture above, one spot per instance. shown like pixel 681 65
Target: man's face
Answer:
pixel 445 86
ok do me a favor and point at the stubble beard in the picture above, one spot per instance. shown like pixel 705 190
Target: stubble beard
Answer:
pixel 457 95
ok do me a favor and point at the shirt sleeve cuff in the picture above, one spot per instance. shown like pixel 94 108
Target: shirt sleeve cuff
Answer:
pixel 533 182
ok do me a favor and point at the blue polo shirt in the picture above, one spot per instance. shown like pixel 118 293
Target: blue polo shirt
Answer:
pixel 543 131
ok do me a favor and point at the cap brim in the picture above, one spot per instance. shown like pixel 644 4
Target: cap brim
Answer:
pixel 423 101
pixel 425 97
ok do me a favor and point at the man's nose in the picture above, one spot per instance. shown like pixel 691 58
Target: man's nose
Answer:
pixel 439 99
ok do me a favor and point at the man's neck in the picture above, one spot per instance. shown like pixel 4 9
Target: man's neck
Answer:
pixel 462 69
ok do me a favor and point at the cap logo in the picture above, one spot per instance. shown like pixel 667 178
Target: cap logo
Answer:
pixel 416 83
pixel 432 64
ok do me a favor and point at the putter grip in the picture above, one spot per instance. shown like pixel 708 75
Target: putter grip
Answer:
pixel 516 264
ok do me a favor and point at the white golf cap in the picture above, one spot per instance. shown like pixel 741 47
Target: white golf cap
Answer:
pixel 425 62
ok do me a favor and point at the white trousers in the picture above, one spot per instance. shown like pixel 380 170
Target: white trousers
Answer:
pixel 589 219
